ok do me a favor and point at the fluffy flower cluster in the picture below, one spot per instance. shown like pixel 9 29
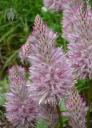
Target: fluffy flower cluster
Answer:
pixel 16 76
pixel 61 5
pixel 53 4
pixel 74 17
pixel 80 45
pixel 36 49
pixel 21 110
pixel 76 21
pixel 25 51
pixel 77 110
pixel 80 55
pixel 52 82
pixel 51 72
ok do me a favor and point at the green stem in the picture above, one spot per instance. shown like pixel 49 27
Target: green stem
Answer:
pixel 59 116
pixel 89 104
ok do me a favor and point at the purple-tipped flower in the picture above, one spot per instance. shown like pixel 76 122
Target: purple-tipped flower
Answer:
pixel 51 73
pixel 77 110
pixel 25 51
pixel 45 42
pixel 80 55
pixel 52 81
pixel 60 5
pixel 77 21
pixel 16 76
pixel 53 4
pixel 21 110
pixel 77 30
pixel 41 39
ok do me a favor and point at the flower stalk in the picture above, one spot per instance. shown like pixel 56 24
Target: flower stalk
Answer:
pixel 59 117
pixel 89 103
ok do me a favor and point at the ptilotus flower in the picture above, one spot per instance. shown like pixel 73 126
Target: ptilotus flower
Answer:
pixel 77 110
pixel 78 33
pixel 52 81
pixel 51 72
pixel 21 110
pixel 45 42
pixel 60 5
pixel 39 44
pixel 16 76
pixel 53 4
pixel 80 55
pixel 25 51
pixel 77 21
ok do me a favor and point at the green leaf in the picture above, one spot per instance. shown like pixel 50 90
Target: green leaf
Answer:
pixel 42 124
pixel 2 99
pixel 8 61
pixel 62 105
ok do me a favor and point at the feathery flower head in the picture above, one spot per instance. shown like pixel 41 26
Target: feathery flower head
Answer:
pixel 77 30
pixel 41 30
pixel 77 110
pixel 69 5
pixel 45 41
pixel 53 4
pixel 51 72
pixel 77 21
pixel 60 5
pixel 41 39
pixel 52 81
pixel 80 55
pixel 16 76
pixel 21 109
pixel 25 51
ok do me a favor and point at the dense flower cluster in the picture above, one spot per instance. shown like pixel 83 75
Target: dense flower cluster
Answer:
pixel 53 4
pixel 39 43
pixel 76 20
pixel 50 81
pixel 77 110
pixel 25 51
pixel 72 19
pixel 80 55
pixel 80 45
pixel 22 111
pixel 61 5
